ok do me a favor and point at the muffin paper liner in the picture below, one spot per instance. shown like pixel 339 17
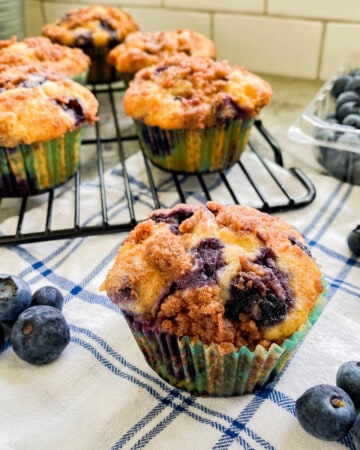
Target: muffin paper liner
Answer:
pixel 203 370
pixel 33 169
pixel 193 150
pixel 100 71
pixel 126 77
pixel 81 77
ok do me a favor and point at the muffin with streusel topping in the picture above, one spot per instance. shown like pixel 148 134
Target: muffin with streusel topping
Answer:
pixel 41 118
pixel 39 50
pixel 96 29
pixel 217 297
pixel 195 114
pixel 142 49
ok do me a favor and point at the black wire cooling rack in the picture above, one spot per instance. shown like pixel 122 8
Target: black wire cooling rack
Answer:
pixel 111 147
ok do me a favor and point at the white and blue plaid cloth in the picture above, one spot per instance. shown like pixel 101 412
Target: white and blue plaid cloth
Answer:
pixel 100 393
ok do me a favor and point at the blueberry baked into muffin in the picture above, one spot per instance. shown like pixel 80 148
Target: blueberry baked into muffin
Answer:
pixel 217 297
pixel 39 50
pixel 96 29
pixel 142 49
pixel 41 118
pixel 195 114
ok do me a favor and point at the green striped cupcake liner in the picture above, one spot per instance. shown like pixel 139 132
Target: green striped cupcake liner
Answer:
pixel 82 77
pixel 195 150
pixel 100 71
pixel 203 370
pixel 33 169
pixel 126 77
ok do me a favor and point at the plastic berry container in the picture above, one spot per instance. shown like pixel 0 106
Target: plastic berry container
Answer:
pixel 331 139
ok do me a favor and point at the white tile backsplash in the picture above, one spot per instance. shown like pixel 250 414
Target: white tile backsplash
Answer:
pixel 33 17
pixel 243 6
pixel 160 19
pixel 341 41
pixel 318 9
pixel 303 39
pixel 246 40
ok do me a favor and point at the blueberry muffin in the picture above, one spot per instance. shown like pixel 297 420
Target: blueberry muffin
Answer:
pixel 217 297
pixel 142 49
pixel 39 50
pixel 41 117
pixel 96 29
pixel 195 114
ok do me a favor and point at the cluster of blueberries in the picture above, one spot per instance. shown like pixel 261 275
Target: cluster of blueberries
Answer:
pixel 342 164
pixel 38 329
pixel 330 412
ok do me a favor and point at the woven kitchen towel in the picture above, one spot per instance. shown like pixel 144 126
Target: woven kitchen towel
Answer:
pixel 100 393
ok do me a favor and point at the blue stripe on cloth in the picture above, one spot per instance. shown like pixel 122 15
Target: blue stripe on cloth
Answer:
pixel 239 424
pixel 73 288
pixel 311 226
pixel 337 209
pixel 343 272
pixel 183 396
pixel 345 286
pixel 333 254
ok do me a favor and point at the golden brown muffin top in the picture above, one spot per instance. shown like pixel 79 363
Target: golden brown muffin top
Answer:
pixel 43 52
pixel 225 274
pixel 184 92
pixel 38 105
pixel 142 49
pixel 99 25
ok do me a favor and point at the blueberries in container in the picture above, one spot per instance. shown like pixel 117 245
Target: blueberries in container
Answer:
pixel 353 84
pixel 344 97
pixel 352 120
pixel 339 85
pixel 347 108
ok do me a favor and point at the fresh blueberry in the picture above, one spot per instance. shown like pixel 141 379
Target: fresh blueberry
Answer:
pixel 353 240
pixel 352 120
pixel 348 378
pixel 2 335
pixel 15 296
pixel 346 109
pixel 339 85
pixel 48 295
pixel 355 433
pixel 326 412
pixel 353 84
pixel 325 134
pixel 347 96
pixel 354 72
pixel 338 163
pixel 349 138
pixel 331 117
pixel 40 334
